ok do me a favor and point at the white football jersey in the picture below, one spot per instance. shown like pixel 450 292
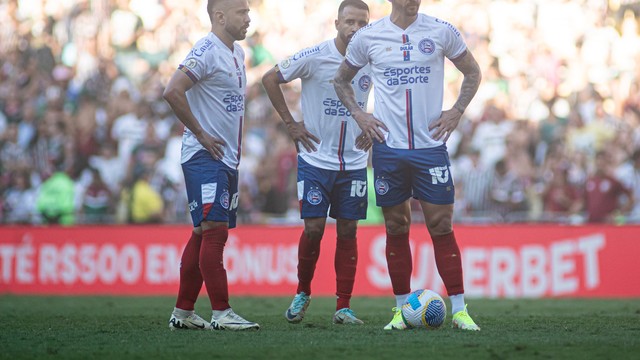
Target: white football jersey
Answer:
pixel 217 96
pixel 323 113
pixel 408 73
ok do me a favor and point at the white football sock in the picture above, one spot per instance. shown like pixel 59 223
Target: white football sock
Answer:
pixel 401 299
pixel 182 314
pixel 217 314
pixel 457 303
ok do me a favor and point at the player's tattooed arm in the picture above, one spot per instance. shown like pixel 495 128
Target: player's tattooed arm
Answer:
pixel 449 119
pixel 369 125
pixel 342 85
pixel 469 67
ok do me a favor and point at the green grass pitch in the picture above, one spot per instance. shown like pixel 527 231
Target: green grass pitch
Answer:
pixel 137 328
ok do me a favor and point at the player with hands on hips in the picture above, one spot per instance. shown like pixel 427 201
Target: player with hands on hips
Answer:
pixel 207 94
pixel 332 157
pixel 406 52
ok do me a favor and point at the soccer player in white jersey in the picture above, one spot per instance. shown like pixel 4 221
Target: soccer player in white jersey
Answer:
pixel 207 94
pixel 331 162
pixel 406 51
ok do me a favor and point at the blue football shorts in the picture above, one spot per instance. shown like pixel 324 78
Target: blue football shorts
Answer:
pixel 212 189
pixel 344 192
pixel 420 173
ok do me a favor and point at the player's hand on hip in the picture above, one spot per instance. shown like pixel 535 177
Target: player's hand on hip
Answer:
pixel 363 142
pixel 300 135
pixel 370 126
pixel 444 126
pixel 213 145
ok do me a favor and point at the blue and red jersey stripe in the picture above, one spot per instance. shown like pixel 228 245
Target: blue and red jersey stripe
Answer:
pixel 409 117
pixel 406 54
pixel 341 145
pixel 240 140
pixel 238 72
pixel 241 117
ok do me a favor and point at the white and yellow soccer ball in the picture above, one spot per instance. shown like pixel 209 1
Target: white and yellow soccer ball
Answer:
pixel 424 309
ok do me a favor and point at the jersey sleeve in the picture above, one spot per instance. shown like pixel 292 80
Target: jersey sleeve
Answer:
pixel 357 51
pixel 455 45
pixel 200 62
pixel 297 66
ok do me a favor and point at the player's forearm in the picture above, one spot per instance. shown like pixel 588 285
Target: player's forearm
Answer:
pixel 468 90
pixel 347 96
pixel 274 92
pixel 177 100
pixel 342 85
pixel 472 77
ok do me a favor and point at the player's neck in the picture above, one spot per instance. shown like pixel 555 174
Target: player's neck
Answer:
pixel 402 21
pixel 340 45
pixel 226 39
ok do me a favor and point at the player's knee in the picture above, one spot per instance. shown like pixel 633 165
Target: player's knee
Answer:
pixel 347 229
pixel 440 225
pixel 396 227
pixel 313 232
pixel 397 222
pixel 208 225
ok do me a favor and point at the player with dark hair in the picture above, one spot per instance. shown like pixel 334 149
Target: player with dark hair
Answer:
pixel 406 52
pixel 331 162
pixel 207 94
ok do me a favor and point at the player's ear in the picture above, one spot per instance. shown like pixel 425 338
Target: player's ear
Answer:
pixel 335 22
pixel 218 17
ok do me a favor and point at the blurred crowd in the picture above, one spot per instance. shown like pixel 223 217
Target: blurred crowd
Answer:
pixel 553 134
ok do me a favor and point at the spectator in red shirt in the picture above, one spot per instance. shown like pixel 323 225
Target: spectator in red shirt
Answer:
pixel 560 197
pixel 603 192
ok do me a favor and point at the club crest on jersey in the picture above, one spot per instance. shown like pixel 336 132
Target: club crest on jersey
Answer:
pixel 427 46
pixel 314 197
pixel 285 63
pixel 364 82
pixel 382 186
pixel 224 199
